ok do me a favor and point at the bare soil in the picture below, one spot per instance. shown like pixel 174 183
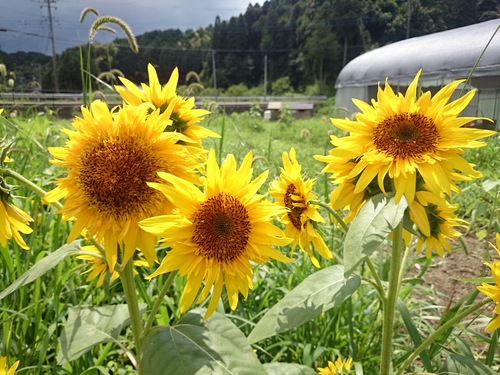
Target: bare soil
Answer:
pixel 447 275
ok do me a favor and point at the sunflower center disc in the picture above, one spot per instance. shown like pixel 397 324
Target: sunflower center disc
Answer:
pixel 113 175
pixel 406 135
pixel 295 212
pixel 222 227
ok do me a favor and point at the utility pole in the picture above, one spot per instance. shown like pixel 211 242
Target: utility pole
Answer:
pixel 214 74
pixel 53 43
pixel 265 77
pixel 408 17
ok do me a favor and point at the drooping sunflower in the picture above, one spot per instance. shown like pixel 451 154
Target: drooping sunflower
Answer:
pixel 339 367
pixel 99 267
pixel 216 234
pixel 295 194
pixel 110 157
pixel 405 137
pixel 4 369
pixel 493 291
pixel 185 117
pixel 435 220
pixel 13 220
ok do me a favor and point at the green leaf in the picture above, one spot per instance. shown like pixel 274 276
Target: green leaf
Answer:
pixel 481 234
pixel 42 267
pixel 278 368
pixel 196 346
pixel 457 364
pixel 89 326
pixel 319 292
pixel 414 334
pixel 490 184
pixel 373 223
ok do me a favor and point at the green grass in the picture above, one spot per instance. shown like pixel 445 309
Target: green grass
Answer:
pixel 32 318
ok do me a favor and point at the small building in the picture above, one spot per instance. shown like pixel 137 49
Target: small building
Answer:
pixel 443 57
pixel 298 110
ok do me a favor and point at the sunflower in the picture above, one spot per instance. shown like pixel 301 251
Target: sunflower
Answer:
pixel 406 137
pixel 99 267
pixel 185 117
pixel 493 291
pixel 435 220
pixel 110 157
pixel 295 194
pixel 13 220
pixel 339 367
pixel 4 369
pixel 216 233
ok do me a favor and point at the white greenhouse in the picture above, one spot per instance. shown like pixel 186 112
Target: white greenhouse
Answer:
pixel 443 57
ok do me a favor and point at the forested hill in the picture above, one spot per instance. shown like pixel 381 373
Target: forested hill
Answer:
pixel 304 42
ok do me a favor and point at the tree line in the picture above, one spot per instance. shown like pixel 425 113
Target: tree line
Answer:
pixel 297 45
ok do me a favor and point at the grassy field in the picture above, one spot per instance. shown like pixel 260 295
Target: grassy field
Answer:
pixel 33 317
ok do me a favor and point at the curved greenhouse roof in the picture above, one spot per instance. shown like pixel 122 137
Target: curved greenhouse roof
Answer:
pixel 443 57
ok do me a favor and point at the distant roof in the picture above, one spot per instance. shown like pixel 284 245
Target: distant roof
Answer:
pixel 442 56
pixel 291 105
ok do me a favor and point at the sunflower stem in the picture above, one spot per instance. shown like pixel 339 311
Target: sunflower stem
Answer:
pixel 30 185
pixel 377 282
pixel 332 212
pixel 159 300
pixel 432 337
pixel 127 279
pixel 389 303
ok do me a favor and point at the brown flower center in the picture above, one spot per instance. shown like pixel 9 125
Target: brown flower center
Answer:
pixel 222 227
pixel 295 212
pixel 406 135
pixel 113 175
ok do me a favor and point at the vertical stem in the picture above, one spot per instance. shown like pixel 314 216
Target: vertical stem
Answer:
pixel 389 305
pixel 159 299
pixel 127 279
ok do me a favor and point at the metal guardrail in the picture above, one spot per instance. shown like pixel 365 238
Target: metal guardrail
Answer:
pixel 16 97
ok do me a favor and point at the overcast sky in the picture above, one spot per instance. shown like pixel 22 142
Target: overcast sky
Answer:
pixel 24 24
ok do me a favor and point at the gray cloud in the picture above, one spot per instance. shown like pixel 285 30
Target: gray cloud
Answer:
pixel 24 24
